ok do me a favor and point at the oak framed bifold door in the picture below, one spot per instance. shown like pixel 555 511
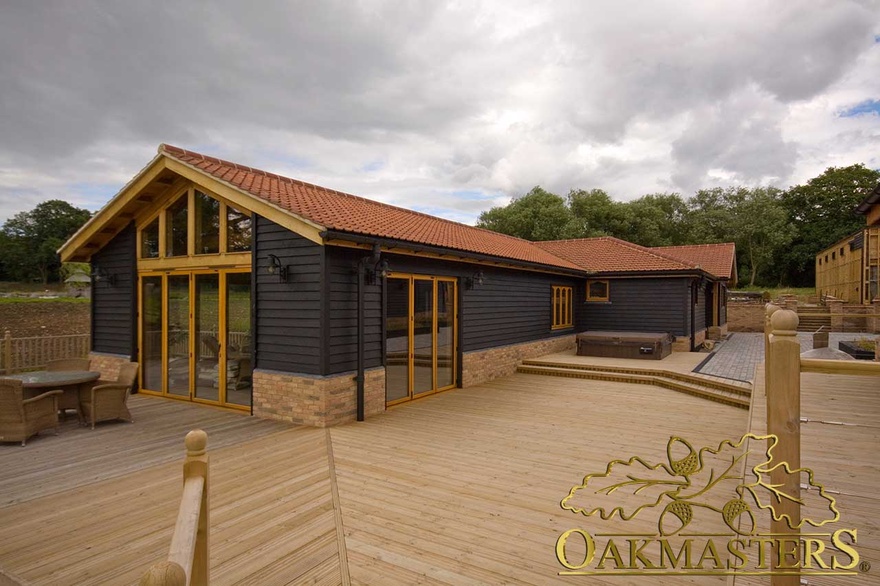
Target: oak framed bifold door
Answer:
pixel 420 336
pixel 195 335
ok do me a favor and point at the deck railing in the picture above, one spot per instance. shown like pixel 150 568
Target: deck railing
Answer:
pixel 187 563
pixel 17 354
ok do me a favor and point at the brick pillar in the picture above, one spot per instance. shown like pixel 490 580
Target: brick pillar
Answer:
pixel 836 306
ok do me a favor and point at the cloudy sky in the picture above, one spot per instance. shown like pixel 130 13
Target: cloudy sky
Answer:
pixel 445 107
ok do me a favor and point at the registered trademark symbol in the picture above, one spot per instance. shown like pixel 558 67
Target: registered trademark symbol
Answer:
pixel 865 566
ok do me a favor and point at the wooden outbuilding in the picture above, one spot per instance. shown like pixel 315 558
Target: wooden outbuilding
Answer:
pixel 850 268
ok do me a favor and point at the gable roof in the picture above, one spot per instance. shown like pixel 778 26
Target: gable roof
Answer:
pixel 607 254
pixel 305 208
pixel 335 210
pixel 719 260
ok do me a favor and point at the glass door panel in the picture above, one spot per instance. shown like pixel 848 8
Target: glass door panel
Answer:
pixel 178 335
pixel 151 331
pixel 423 336
pixel 445 334
pixel 397 340
pixel 207 336
pixel 239 377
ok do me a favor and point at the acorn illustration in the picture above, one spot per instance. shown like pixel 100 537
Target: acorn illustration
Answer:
pixel 687 465
pixel 675 517
pixel 733 512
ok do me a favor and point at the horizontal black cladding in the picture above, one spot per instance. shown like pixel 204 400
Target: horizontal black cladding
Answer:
pixel 510 306
pixel 640 305
pixel 113 298
pixel 341 308
pixel 288 313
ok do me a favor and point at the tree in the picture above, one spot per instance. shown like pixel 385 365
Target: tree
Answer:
pixel 28 241
pixel 823 209
pixel 596 213
pixel 537 215
pixel 754 219
pixel 660 219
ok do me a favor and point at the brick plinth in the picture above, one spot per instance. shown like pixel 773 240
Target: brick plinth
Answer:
pixel 319 401
pixel 107 364
pixel 484 365
pixel 717 332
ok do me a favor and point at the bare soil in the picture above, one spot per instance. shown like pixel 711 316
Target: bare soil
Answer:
pixel 49 318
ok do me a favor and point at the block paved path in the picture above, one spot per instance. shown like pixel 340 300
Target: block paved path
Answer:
pixel 738 355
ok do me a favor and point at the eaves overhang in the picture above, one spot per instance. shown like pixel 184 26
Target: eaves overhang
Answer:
pixel 394 246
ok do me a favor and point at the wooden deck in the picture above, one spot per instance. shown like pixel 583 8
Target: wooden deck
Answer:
pixel 458 488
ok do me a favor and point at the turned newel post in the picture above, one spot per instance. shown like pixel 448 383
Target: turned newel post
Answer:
pixel 783 390
pixel 196 464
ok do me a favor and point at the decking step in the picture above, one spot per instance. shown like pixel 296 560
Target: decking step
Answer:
pixel 732 395
pixel 656 372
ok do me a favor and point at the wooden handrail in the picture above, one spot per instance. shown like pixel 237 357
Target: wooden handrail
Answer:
pixel 851 367
pixel 183 542
pixel 187 563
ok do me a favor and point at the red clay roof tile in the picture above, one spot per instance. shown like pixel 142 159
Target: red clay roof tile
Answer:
pixel 716 259
pixel 609 254
pixel 336 210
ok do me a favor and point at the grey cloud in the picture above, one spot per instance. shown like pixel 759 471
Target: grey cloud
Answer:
pixel 91 87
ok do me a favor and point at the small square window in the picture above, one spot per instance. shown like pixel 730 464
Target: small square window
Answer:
pixel 597 291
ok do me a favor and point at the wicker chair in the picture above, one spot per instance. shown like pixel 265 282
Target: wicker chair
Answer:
pixel 21 418
pixel 68 364
pixel 106 402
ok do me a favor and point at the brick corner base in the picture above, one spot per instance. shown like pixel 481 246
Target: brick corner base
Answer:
pixel 318 401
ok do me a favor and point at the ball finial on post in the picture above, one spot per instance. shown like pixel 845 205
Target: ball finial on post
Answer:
pixel 164 574
pixel 784 322
pixel 196 441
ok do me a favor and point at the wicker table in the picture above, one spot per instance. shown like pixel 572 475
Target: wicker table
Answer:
pixel 69 381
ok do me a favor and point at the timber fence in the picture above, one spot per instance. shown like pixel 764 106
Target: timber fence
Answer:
pixel 22 354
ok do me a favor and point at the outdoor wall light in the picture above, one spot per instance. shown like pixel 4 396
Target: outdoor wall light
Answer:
pixel 380 271
pixel 99 275
pixel 276 268
pixel 475 281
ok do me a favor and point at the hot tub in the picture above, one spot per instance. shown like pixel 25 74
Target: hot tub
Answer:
pixel 641 345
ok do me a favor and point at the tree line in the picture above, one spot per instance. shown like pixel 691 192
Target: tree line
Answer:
pixel 777 232
pixel 29 241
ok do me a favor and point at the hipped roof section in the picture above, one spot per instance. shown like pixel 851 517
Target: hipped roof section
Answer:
pixel 719 260
pixel 606 255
